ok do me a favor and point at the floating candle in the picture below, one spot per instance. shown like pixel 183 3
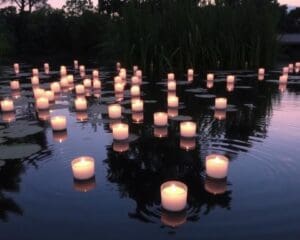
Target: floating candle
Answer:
pixel 79 89
pixel 7 105
pixel 42 103
pixel 46 68
pixel 95 74
pixel 64 83
pixel 50 95
pixel 171 85
pixel 137 105
pixel 16 68
pixel 188 129
pixel 38 92
pixel 283 79
pixel 96 84
pixel 135 80
pixel 261 77
pixel 35 72
pixel 59 123
pixel 135 91
pixel 80 104
pixel 120 131
pixel 35 80
pixel 139 74
pixel 173 101
pixel 210 77
pixel 123 73
pixel 216 166
pixel 70 78
pixel 160 119
pixel 135 68
pixel 83 168
pixel 55 87
pixel 119 87
pixel 285 70
pixel 261 71
pixel 220 103
pixel 171 77
pixel 190 72
pixel 63 71
pixel 291 67
pixel 115 111
pixel 15 85
pixel 230 79
pixel 76 64
pixel 82 68
pixel 173 196
pixel 87 83
pixel 118 79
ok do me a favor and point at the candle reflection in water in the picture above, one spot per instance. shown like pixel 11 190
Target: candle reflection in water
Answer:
pixel 220 114
pixel 187 144
pixel 172 112
pixel 84 186
pixel 82 116
pixel 8 117
pixel 210 84
pixel 215 187
pixel 282 87
pixel 137 117
pixel 120 147
pixel 60 136
pixel 44 115
pixel 160 132
pixel 230 87
pixel 173 219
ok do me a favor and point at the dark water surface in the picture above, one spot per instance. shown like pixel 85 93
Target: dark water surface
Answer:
pixel 261 137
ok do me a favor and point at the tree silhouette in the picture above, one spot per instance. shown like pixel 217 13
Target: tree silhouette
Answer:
pixel 23 4
pixel 77 7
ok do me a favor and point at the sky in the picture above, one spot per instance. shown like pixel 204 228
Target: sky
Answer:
pixel 59 3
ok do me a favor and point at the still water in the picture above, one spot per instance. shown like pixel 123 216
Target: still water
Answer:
pixel 260 135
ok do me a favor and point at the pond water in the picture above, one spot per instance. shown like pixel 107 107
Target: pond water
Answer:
pixel 260 135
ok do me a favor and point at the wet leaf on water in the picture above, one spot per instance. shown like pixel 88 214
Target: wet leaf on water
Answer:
pixel 20 129
pixel 18 151
pixel 181 118
pixel 98 109
pixel 2 140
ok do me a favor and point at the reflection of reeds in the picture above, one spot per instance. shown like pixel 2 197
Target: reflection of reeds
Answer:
pixel 179 34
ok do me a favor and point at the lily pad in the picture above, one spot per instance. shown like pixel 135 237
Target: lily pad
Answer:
pixel 182 118
pixel 18 151
pixel 20 129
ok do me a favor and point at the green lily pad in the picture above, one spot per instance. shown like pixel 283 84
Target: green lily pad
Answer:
pixel 18 151
pixel 20 129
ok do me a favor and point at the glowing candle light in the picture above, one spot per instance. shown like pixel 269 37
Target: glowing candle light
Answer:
pixel 16 68
pixel 35 72
pixel 291 67
pixel 96 84
pixel 50 95
pixel 82 68
pixel 188 129
pixel 123 73
pixel 261 71
pixel 115 111
pixel 38 92
pixel 63 71
pixel 282 87
pixel 118 79
pixel 55 87
pixel 216 166
pixel 7 105
pixel 120 131
pixel 119 87
pixel 87 83
pixel 118 65
pixel 285 70
pixel 95 74
pixel 160 119
pixel 261 77
pixel 190 72
pixel 171 85
pixel 230 87
pixel 283 79
pixel 135 68
pixel 35 80
pixel 187 144
pixel 230 79
pixel 171 77
pixel 46 68
pixel 137 105
pixel 135 91
pixel 297 64
pixel 83 168
pixel 160 132
pixel 120 147
pixel 76 64
pixel 60 136
pixel 84 186
pixel 210 77
pixel 220 114
pixel 15 85
pixel 70 78
pixel 220 103
pixel 64 83
pixel 42 103
pixel 139 74
pixel 173 102
pixel 173 196
pixel 58 123
pixel 210 84
pixel 135 80
pixel 80 104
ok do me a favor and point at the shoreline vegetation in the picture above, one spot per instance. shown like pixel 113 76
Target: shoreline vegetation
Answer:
pixel 164 35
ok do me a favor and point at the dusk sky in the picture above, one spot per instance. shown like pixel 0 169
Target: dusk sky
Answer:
pixel 59 3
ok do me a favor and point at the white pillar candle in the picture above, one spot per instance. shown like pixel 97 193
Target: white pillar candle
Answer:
pixel 220 114
pixel 118 79
pixel 7 105
pixel 137 105
pixel 87 83
pixel 70 78
pixel 115 111
pixel 187 144
pixel 96 84
pixel 83 168
pixel 291 67
pixel 35 80
pixel 188 129
pixel 122 74
pixel 261 71
pixel 283 79
pixel 15 85
pixel 135 91
pixel 42 103
pixel 210 84
pixel 35 72
pixel 59 123
pixel 8 117
pixel 80 104
pixel 160 119
pixel 230 87
pixel 63 71
pixel 76 64
pixel 160 132
pixel 82 68
pixel 285 70
pixel 95 74
pixel 216 166
pixel 82 74
pixel 171 77
pixel 38 92
pixel 118 66
pixel 230 79
pixel 46 68
pixel 16 68
pixel 173 196
pixel 135 80
pixel 55 87
pixel 220 103
pixel 171 85
pixel 190 72
pixel 50 95
pixel 210 77
pixel 120 131
pixel 64 83
pixel 173 101
pixel 139 74
pixel 119 87
pixel 137 117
